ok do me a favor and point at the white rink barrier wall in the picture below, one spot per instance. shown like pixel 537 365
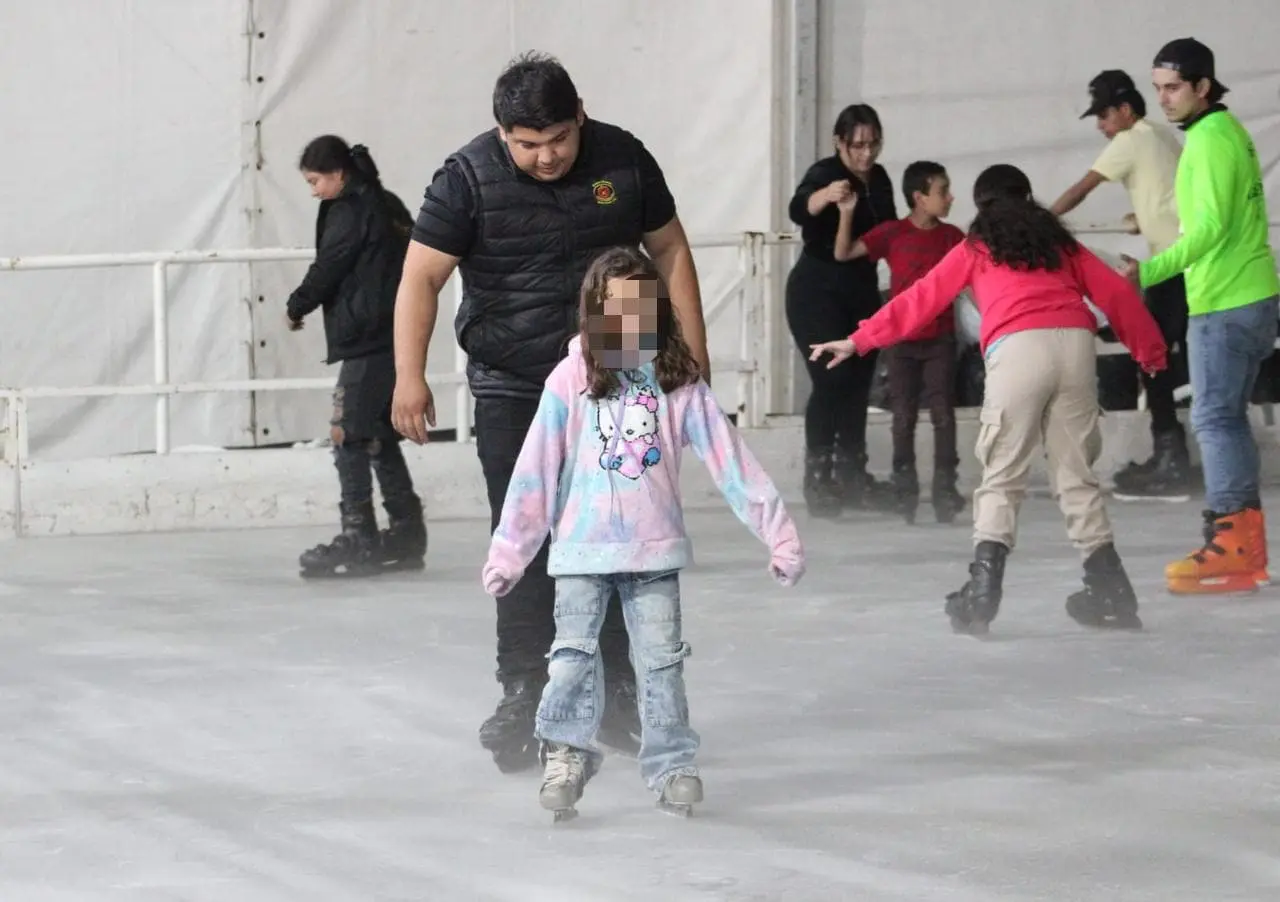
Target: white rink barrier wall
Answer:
pixel 233 489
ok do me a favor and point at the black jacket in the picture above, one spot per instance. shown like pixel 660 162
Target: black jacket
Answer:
pixel 533 242
pixel 875 205
pixel 361 239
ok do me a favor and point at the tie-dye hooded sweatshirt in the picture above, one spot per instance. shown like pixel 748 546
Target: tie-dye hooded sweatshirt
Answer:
pixel 603 478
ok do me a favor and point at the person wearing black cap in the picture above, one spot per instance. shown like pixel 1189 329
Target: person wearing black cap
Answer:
pixel 1233 291
pixel 1143 156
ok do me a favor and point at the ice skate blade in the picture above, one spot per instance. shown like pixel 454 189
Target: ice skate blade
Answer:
pixel 563 815
pixel 975 628
pixel 1134 498
pixel 350 573
pixel 1220 587
pixel 676 809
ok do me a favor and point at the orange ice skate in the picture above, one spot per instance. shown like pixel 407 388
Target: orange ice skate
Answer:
pixel 1233 558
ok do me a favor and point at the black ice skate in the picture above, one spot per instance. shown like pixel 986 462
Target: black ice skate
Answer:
pixel 1107 600
pixel 508 732
pixel 679 794
pixel 567 770
pixel 859 490
pixel 976 604
pixel 906 491
pixel 821 491
pixel 620 726
pixel 947 500
pixel 404 541
pixel 354 552
pixel 1167 476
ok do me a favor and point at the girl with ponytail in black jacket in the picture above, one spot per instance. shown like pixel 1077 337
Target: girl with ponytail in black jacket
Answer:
pixel 362 233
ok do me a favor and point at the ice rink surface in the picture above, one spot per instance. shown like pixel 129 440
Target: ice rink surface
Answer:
pixel 184 719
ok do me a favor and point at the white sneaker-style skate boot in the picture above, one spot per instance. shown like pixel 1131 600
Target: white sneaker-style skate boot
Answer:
pixel 679 794
pixel 565 775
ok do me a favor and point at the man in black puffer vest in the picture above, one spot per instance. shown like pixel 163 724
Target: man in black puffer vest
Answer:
pixel 521 211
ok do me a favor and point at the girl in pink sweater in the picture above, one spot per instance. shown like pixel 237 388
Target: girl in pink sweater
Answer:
pixel 1029 277
pixel 600 472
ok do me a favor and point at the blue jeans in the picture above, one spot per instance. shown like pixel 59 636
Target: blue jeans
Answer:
pixel 1225 351
pixel 573 700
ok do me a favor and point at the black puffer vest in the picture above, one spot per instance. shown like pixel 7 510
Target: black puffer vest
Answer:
pixel 534 241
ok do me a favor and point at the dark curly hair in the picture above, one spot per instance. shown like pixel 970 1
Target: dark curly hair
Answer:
pixel 1017 231
pixel 675 365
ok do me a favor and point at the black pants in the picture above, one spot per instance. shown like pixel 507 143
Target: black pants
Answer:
pixel 924 371
pixel 823 304
pixel 1167 302
pixel 526 616
pixel 363 437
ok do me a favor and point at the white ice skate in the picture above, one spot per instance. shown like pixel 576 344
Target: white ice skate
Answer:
pixel 679 794
pixel 567 770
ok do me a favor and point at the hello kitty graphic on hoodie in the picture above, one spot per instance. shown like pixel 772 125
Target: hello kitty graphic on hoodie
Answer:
pixel 603 478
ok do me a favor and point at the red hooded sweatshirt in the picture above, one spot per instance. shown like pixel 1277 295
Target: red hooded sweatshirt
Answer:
pixel 1013 300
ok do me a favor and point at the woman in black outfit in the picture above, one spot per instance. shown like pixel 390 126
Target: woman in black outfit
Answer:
pixel 362 234
pixel 825 298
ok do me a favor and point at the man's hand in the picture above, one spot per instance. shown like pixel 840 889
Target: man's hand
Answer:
pixel 1131 224
pixel 294 324
pixel 848 204
pixel 413 409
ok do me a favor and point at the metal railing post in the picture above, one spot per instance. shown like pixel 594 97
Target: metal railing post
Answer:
pixel 160 342
pixel 15 453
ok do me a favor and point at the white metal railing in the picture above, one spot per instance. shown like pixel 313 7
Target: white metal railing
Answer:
pixel 750 291
pixel 746 293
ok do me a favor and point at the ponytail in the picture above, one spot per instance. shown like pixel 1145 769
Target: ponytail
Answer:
pixel 362 163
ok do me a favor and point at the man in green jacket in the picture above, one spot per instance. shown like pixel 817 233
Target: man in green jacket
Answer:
pixel 1232 295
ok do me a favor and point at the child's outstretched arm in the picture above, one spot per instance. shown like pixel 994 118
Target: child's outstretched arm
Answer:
pixel 1128 315
pixel 918 306
pixel 530 505
pixel 744 483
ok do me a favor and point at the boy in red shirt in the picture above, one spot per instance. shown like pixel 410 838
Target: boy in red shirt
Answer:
pixel 1029 277
pixel 925 363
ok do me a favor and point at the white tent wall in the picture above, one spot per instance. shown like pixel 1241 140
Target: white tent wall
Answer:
pixel 414 81
pixel 123 134
pixel 153 125
pixel 146 125
pixel 973 84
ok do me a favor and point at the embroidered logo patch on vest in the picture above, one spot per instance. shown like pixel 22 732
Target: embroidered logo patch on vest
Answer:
pixel 604 192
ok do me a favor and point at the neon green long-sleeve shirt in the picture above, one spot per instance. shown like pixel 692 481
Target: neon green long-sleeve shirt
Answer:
pixel 1224 249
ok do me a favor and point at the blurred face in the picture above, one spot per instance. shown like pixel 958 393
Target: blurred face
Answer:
pixel 624 335
pixel 937 203
pixel 1179 99
pixel 1115 119
pixel 862 149
pixel 549 154
pixel 324 185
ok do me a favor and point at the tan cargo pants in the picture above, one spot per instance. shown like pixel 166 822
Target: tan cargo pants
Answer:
pixel 1041 388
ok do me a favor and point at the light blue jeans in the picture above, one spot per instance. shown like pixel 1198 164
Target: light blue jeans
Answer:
pixel 573 700
pixel 1225 350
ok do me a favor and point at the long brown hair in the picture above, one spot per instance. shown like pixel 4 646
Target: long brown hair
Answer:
pixel 674 366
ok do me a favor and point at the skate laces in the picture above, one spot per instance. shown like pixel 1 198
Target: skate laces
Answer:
pixel 1212 529
pixel 564 765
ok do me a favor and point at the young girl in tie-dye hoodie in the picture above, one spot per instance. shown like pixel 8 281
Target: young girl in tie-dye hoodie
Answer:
pixel 600 472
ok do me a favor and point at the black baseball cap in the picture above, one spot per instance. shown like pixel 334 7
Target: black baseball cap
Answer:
pixel 1190 59
pixel 1108 89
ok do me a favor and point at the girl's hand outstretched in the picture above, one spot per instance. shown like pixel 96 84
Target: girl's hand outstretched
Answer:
pixel 840 351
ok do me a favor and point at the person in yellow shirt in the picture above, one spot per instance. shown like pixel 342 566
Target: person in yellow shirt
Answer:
pixel 1143 157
